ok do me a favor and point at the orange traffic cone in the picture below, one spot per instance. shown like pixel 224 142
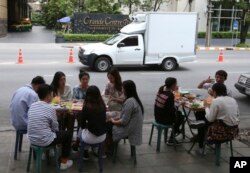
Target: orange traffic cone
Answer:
pixel 20 57
pixel 71 58
pixel 221 57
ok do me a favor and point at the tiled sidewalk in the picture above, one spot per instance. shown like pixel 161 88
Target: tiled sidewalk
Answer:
pixel 168 160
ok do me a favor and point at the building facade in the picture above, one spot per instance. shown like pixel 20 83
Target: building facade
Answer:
pixel 199 6
pixel 10 12
pixel 3 17
pixel 223 15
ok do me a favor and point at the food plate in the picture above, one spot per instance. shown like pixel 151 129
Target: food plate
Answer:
pixel 183 92
pixel 197 105
pixel 77 106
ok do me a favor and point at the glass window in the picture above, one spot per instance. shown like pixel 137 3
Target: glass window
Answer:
pixel 114 39
pixel 130 41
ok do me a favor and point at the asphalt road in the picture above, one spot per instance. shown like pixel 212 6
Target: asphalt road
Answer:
pixel 46 59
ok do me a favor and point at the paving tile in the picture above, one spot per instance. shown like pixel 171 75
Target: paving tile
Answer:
pixel 148 160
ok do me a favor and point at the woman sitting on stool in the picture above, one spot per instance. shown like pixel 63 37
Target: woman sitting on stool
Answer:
pixel 223 114
pixel 131 120
pixel 93 118
pixel 165 110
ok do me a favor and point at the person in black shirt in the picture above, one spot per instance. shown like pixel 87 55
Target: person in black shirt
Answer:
pixel 93 118
pixel 165 110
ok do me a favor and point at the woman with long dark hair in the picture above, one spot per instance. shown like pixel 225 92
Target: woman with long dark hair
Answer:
pixel 93 118
pixel 60 88
pixel 63 91
pixel 131 120
pixel 113 91
pixel 79 93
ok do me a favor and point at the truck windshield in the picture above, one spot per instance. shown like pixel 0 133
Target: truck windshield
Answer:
pixel 112 40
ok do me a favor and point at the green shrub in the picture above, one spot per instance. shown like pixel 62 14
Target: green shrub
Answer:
pixel 201 35
pixel 24 27
pixel 59 33
pixel 36 18
pixel 221 35
pixel 244 45
pixel 86 37
pixel 103 37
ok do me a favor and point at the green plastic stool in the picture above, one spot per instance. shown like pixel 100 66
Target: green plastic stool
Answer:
pixel 132 150
pixel 160 128
pixel 38 153
pixel 218 152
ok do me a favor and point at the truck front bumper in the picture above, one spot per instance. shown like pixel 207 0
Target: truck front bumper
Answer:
pixel 241 88
pixel 87 60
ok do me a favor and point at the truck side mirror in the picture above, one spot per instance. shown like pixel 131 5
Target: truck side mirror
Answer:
pixel 120 45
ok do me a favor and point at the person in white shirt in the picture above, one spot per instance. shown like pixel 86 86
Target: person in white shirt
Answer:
pixel 223 107
pixel 220 78
pixel 223 110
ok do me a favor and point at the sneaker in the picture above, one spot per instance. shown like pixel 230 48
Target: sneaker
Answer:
pixel 64 166
pixel 171 142
pixel 86 155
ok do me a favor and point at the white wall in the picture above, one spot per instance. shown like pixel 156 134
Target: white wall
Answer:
pixel 201 8
pixel 197 6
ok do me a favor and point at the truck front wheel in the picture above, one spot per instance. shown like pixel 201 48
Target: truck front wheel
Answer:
pixel 102 64
pixel 169 64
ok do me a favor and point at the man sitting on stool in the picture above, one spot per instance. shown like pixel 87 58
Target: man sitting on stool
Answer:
pixel 43 126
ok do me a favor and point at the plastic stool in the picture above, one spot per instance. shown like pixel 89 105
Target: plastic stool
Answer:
pixel 218 152
pixel 100 154
pixel 132 149
pixel 38 153
pixel 19 141
pixel 161 127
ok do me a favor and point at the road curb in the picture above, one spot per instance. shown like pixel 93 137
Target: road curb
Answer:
pixel 223 48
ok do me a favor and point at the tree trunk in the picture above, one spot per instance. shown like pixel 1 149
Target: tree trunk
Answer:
pixel 243 32
pixel 244 29
pixel 190 5
pixel 130 7
pixel 155 5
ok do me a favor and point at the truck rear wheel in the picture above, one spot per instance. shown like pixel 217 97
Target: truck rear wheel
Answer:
pixel 169 64
pixel 102 64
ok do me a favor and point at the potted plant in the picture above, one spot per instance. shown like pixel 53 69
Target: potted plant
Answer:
pixel 59 37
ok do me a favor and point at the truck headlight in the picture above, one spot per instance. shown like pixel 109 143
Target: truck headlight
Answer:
pixel 243 79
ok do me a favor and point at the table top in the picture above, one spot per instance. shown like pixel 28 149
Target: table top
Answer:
pixel 71 105
pixel 195 104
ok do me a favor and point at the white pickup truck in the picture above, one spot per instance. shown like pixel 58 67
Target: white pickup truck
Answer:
pixel 164 39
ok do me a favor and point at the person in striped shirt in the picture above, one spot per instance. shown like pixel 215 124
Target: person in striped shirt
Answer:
pixel 43 126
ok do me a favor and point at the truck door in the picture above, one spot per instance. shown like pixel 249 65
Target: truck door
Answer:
pixel 130 51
